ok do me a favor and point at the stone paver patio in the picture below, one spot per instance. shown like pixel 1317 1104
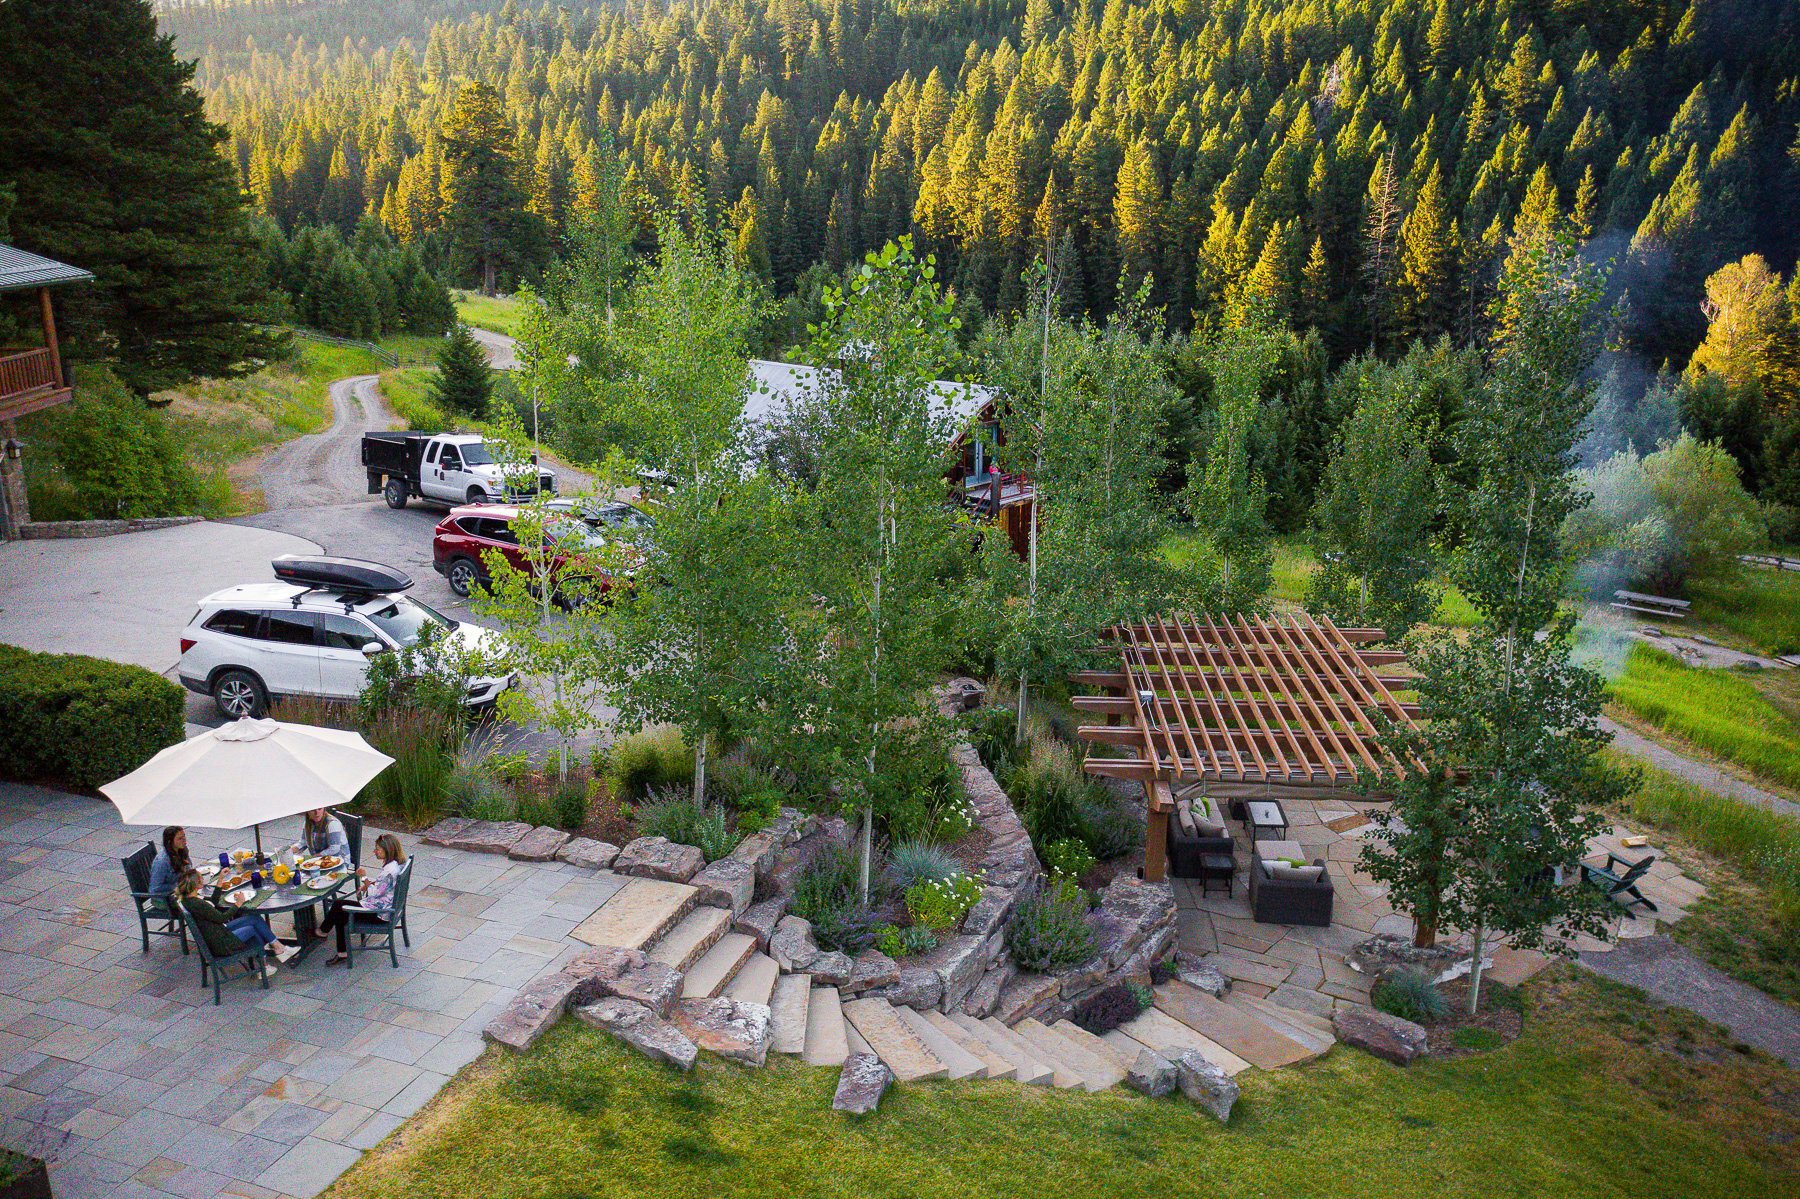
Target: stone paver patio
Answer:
pixel 1304 968
pixel 116 1066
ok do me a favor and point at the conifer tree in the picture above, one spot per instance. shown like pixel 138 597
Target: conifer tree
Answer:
pixel 1426 286
pixel 465 382
pixel 488 222
pixel 116 169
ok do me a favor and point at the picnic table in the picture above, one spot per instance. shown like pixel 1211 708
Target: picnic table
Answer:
pixel 1653 605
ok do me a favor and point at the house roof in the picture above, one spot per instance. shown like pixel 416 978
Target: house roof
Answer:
pixel 776 386
pixel 21 268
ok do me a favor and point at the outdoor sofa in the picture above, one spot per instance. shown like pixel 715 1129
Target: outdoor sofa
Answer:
pixel 1284 894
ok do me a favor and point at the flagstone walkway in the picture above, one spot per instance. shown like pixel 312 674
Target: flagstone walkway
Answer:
pixel 116 1066
pixel 1303 968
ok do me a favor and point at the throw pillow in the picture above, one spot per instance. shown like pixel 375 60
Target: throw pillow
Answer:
pixel 1208 829
pixel 1184 819
pixel 1296 874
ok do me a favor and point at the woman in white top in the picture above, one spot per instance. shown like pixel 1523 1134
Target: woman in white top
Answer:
pixel 375 897
pixel 324 834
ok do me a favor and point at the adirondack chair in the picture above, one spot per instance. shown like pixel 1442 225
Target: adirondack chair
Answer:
pixel 215 966
pixel 365 926
pixel 1618 878
pixel 153 911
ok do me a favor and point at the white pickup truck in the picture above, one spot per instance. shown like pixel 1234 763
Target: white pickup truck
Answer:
pixel 449 468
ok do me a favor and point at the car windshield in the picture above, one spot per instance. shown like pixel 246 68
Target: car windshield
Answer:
pixel 475 454
pixel 575 536
pixel 404 619
pixel 623 516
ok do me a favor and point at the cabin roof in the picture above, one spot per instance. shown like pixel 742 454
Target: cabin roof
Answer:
pixel 21 269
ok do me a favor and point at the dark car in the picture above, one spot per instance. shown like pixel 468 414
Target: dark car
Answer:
pixel 578 550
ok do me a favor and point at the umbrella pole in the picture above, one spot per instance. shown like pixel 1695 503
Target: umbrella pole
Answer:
pixel 259 841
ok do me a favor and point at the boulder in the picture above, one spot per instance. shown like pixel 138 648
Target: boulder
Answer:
pixel 531 1013
pixel 760 851
pixel 827 967
pixel 588 853
pixel 659 857
pixel 836 830
pixel 989 912
pixel 918 987
pixel 1387 1037
pixel 728 883
pixel 1025 995
pixel 1086 977
pixel 1131 912
pixel 960 962
pixel 539 845
pixel 791 942
pixel 759 921
pixel 1197 974
pixel 730 1028
pixel 640 1028
pixel 1206 1084
pixel 489 836
pixel 985 997
pixel 862 1084
pixel 1152 1073
pixel 446 830
pixel 1385 954
pixel 625 974
pixel 872 968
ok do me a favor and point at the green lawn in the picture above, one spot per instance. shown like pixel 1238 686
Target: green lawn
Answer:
pixel 1597 1099
pixel 1293 568
pixel 408 392
pixel 1760 606
pixel 499 313
pixel 1718 710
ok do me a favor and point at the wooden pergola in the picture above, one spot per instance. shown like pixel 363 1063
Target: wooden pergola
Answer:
pixel 1247 701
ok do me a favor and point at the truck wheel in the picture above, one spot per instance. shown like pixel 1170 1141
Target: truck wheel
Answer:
pixel 464 576
pixel 395 493
pixel 476 496
pixel 240 694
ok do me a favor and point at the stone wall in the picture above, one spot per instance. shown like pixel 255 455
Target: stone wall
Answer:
pixel 47 530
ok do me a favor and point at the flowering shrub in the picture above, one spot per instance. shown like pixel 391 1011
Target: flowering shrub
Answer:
pixel 1067 858
pixel 939 904
pixel 1050 930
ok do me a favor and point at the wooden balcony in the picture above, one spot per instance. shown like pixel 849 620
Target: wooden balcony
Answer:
pixel 28 382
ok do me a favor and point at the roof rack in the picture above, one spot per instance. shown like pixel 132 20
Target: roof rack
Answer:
pixel 353 578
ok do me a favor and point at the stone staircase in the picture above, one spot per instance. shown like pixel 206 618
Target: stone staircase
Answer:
pixel 719 957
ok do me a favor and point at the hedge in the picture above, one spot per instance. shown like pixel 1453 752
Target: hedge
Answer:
pixel 82 720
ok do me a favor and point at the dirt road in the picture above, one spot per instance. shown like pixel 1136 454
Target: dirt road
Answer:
pixel 326 468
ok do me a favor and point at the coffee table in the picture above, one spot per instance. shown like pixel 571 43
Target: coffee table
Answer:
pixel 1265 817
pixel 1216 868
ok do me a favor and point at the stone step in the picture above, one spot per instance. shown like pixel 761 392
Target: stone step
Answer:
pixel 893 1041
pixel 1293 1029
pixel 718 966
pixel 1169 1036
pixel 855 1041
pixel 1127 1045
pixel 1061 1076
pixel 1026 1069
pixel 1084 1039
pixel 1096 1073
pixel 754 981
pixel 997 1065
pixel 688 941
pixel 788 1003
pixel 825 1041
pixel 1300 1017
pixel 1231 1027
pixel 959 1062
pixel 637 914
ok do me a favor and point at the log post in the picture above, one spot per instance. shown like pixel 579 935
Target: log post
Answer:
pixel 1156 834
pixel 49 315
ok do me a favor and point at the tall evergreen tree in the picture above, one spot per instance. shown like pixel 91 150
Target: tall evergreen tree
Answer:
pixel 465 382
pixel 488 222
pixel 116 169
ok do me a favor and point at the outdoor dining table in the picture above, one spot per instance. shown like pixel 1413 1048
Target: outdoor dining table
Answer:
pixel 299 899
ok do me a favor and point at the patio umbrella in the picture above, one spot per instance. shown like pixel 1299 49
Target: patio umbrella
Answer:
pixel 244 773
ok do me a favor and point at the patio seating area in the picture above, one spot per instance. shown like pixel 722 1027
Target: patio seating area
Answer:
pixel 116 1066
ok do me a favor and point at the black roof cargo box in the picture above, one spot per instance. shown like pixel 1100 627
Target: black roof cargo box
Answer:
pixel 339 574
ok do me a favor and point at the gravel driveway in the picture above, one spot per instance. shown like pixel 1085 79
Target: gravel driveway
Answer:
pixel 326 468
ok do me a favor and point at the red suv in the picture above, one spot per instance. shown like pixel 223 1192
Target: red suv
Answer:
pixel 463 540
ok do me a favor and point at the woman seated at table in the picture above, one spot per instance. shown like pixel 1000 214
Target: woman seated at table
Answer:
pixel 228 929
pixel 375 898
pixel 171 861
pixel 324 834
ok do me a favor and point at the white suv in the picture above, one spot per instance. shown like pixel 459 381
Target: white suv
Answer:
pixel 249 644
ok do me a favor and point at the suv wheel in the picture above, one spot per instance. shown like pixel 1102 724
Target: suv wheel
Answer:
pixel 464 576
pixel 395 493
pixel 240 694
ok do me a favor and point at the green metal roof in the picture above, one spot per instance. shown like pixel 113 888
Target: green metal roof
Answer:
pixel 22 268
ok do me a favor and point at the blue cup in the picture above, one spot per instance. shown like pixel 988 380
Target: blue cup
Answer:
pixel 256 879
pixel 224 861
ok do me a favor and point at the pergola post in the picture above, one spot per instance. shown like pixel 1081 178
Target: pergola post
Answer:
pixel 1156 833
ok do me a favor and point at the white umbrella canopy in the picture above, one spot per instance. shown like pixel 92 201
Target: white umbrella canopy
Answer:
pixel 244 773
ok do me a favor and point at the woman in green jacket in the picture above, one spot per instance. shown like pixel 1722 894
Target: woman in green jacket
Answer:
pixel 227 929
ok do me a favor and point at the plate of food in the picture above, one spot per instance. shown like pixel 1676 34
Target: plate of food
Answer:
pixel 207 869
pixel 311 864
pixel 331 880
pixel 328 862
pixel 232 881
pixel 241 895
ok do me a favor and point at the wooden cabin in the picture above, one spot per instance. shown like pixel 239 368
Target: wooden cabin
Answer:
pixel 32 378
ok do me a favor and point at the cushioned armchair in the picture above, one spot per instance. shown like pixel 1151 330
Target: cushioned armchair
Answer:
pixel 1195 830
pixel 1285 894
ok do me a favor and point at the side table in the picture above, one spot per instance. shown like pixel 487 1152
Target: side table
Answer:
pixel 1216 869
